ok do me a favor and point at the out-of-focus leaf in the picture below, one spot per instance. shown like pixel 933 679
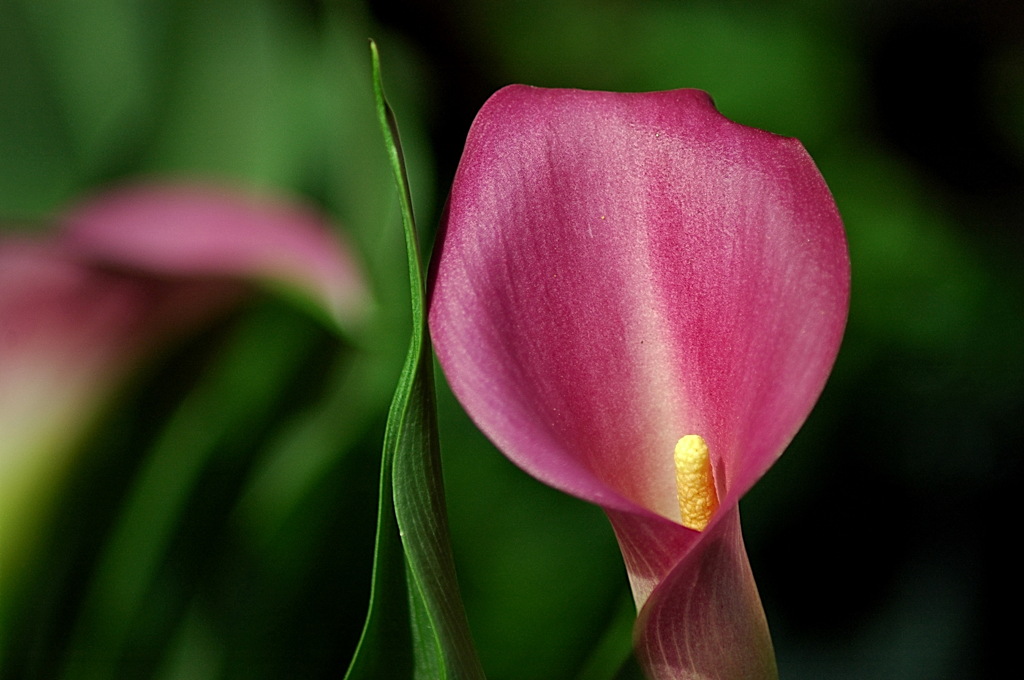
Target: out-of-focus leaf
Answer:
pixel 240 392
pixel 412 525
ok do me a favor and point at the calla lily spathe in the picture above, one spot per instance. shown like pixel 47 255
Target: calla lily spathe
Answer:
pixel 128 270
pixel 615 272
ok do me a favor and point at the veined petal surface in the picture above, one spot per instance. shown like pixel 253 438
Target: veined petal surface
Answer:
pixel 618 270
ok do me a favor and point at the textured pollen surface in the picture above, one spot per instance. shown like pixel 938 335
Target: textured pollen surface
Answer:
pixel 695 482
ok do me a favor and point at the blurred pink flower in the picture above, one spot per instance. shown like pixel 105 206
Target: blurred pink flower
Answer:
pixel 616 273
pixel 129 270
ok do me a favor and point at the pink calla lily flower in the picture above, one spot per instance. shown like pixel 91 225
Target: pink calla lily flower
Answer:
pixel 639 301
pixel 127 271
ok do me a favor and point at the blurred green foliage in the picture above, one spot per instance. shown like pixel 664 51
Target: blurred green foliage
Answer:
pixel 218 522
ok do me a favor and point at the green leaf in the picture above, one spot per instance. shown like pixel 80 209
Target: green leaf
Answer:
pixel 414 572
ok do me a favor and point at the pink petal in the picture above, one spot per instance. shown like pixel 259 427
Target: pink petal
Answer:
pixel 619 270
pixel 705 619
pixel 199 230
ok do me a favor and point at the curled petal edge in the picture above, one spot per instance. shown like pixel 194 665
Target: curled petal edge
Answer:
pixel 702 619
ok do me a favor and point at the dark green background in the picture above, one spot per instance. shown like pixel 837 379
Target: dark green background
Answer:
pixel 879 541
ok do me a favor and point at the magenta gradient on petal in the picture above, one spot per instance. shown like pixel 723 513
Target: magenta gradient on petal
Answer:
pixel 616 271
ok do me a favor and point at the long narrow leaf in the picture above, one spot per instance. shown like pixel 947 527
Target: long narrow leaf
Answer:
pixel 412 533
